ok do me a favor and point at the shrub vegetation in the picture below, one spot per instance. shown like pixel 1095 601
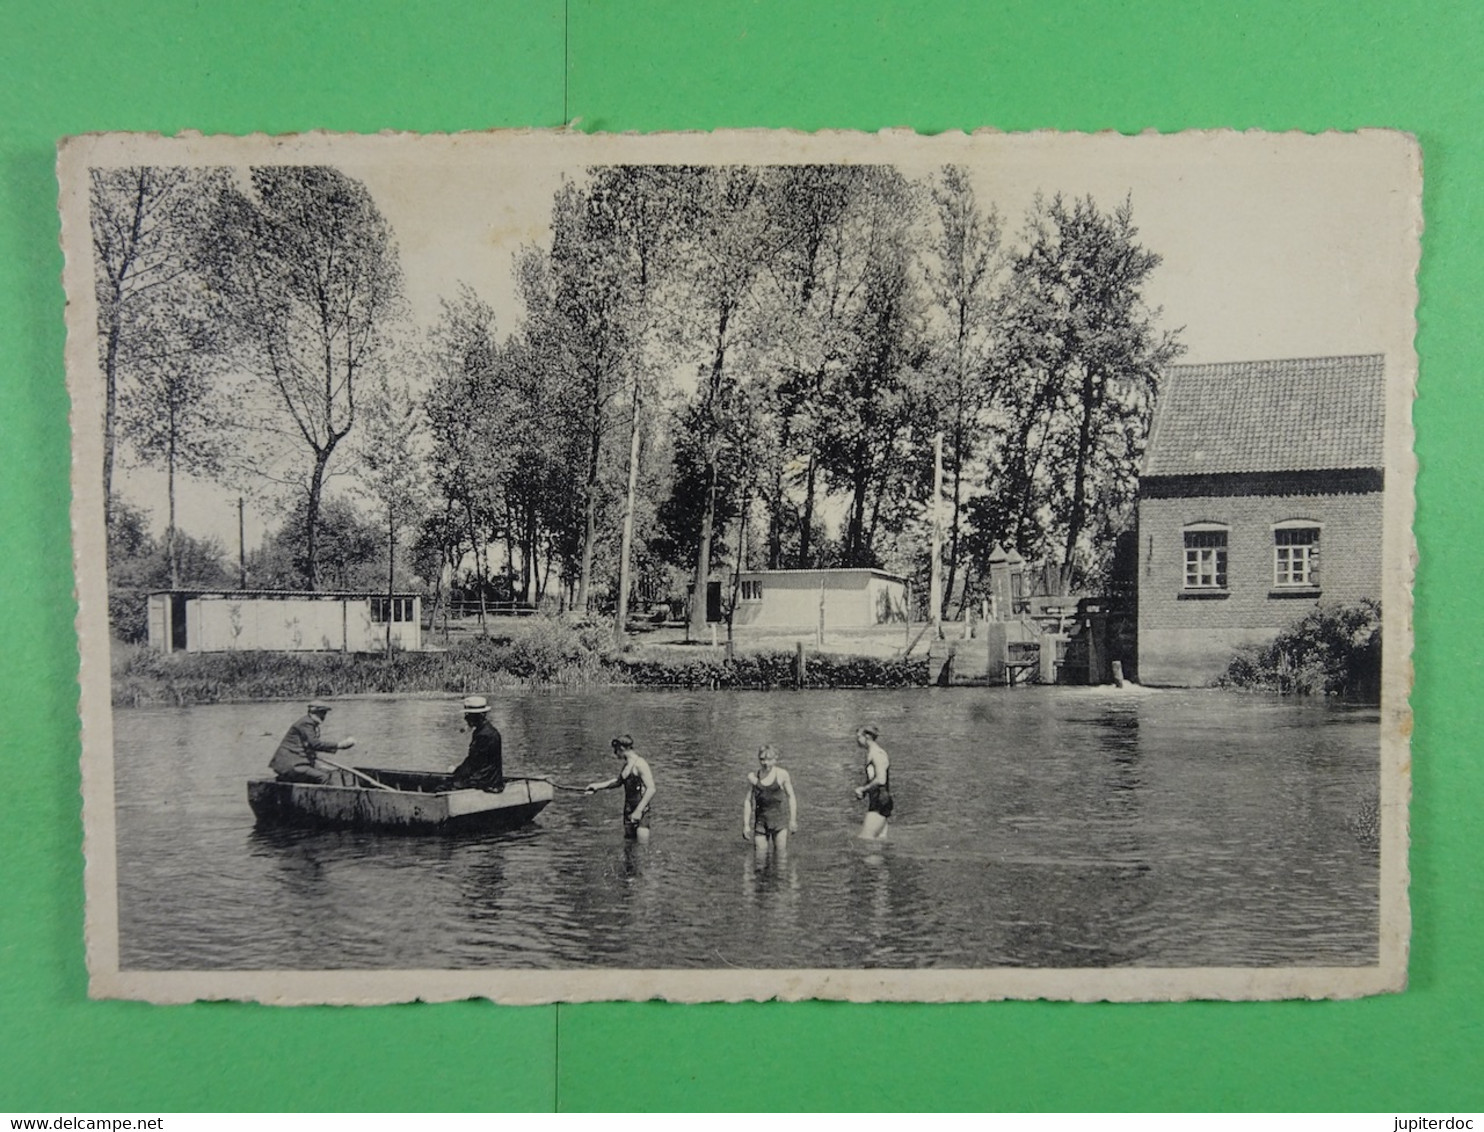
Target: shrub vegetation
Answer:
pixel 1334 650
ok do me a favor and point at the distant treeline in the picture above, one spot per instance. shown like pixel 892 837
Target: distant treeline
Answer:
pixel 714 365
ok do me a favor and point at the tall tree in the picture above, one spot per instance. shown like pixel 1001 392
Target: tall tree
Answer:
pixel 815 275
pixel 588 319
pixel 471 429
pixel 314 288
pixel 392 469
pixel 1089 349
pixel 176 413
pixel 148 223
pixel 961 270
pixel 872 408
pixel 725 246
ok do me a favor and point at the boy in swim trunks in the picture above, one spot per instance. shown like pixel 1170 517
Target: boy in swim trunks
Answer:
pixel 638 789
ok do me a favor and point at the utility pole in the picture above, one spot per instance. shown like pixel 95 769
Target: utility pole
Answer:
pixel 935 581
pixel 241 549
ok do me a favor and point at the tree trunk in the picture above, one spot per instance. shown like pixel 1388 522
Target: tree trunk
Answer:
pixel 171 554
pixel 391 559
pixel 855 531
pixel 1075 520
pixel 590 507
pixel 958 479
pixel 311 518
pixel 708 516
pixel 110 411
pixel 627 542
pixel 479 565
pixel 775 515
pixel 703 557
pixel 807 526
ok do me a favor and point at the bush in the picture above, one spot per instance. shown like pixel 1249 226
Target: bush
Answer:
pixel 1334 650
pixel 765 670
pixel 128 613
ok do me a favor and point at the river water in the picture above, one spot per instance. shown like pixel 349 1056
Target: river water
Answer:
pixel 1051 827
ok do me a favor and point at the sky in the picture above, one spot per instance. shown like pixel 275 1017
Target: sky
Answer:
pixel 1273 246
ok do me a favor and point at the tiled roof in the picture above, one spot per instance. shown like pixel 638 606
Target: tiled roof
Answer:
pixel 1298 414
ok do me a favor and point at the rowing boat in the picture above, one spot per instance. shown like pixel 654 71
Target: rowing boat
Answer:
pixel 412 802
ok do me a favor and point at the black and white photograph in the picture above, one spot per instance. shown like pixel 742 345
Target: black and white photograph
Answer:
pixel 754 565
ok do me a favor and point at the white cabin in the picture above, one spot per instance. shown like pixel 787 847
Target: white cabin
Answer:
pixel 809 600
pixel 282 621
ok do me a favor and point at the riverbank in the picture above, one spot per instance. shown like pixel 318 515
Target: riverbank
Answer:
pixel 543 655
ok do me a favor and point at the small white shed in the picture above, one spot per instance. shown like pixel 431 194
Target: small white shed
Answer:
pixel 803 600
pixel 282 621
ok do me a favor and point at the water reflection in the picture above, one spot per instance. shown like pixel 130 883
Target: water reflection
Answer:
pixel 1049 827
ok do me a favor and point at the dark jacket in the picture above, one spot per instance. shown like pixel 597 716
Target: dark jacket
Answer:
pixel 299 745
pixel 484 767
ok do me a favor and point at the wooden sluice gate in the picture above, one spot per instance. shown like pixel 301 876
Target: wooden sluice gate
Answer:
pixel 1054 647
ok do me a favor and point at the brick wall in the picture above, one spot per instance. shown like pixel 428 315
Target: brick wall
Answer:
pixel 1186 640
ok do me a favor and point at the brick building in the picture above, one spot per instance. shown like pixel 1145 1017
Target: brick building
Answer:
pixel 1260 497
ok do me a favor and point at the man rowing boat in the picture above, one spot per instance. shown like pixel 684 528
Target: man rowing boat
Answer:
pixel 295 760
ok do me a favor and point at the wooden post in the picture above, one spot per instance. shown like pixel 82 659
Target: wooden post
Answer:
pixel 800 665
pixel 819 634
pixel 907 605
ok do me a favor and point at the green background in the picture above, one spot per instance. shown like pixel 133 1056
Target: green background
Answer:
pixel 1127 65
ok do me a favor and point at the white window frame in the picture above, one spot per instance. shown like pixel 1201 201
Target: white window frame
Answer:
pixel 1288 554
pixel 1206 568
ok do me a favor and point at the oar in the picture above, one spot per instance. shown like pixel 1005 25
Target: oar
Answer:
pixel 560 786
pixel 354 771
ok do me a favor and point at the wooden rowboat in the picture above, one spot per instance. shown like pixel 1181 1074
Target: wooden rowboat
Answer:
pixel 417 802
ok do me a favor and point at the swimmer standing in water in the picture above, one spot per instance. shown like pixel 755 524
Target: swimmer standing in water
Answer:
pixel 638 789
pixel 768 789
pixel 877 790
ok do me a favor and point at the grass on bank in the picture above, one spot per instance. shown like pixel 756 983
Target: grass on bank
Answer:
pixel 540 653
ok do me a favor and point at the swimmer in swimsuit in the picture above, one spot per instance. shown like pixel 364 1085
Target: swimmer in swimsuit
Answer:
pixel 877 790
pixel 768 789
pixel 638 790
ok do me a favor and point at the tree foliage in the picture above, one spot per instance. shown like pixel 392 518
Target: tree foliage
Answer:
pixel 716 367
pixel 158 347
pixel 313 288
pixel 1081 356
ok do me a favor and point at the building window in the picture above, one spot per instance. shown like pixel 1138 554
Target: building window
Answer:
pixel 1205 558
pixel 400 609
pixel 1295 556
pixel 751 590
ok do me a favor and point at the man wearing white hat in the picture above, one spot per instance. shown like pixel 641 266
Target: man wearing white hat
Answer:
pixel 484 767
pixel 294 760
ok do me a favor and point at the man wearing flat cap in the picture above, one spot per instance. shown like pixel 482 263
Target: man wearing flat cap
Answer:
pixel 295 761
pixel 484 767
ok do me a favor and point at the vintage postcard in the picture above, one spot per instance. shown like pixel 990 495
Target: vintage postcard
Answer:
pixel 748 565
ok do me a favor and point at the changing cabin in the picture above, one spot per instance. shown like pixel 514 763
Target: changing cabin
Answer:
pixel 282 621
pixel 803 601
